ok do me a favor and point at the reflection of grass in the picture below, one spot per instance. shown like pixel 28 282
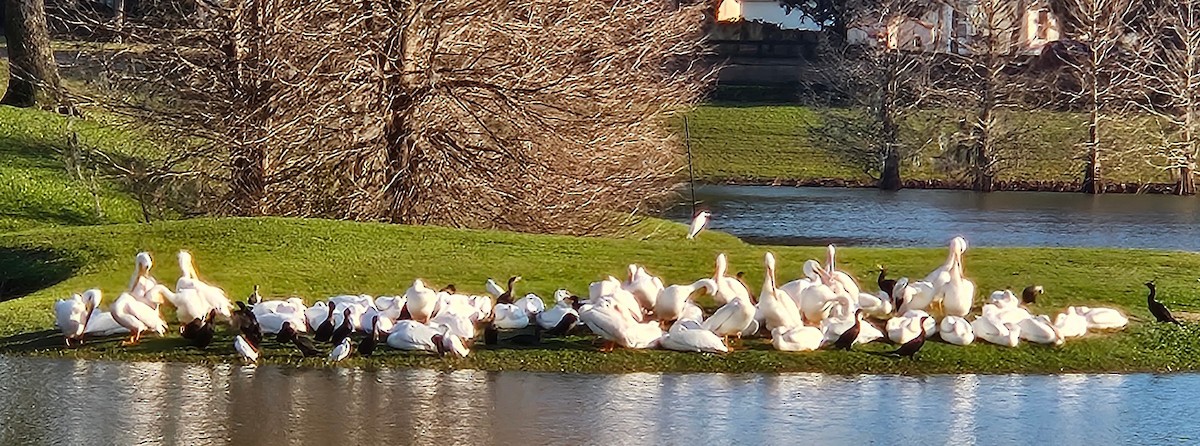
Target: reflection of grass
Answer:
pixel 766 142
pixel 318 258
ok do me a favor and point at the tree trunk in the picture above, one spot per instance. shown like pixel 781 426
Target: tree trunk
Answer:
pixel 119 12
pixel 1187 179
pixel 1092 182
pixel 33 74
pixel 889 178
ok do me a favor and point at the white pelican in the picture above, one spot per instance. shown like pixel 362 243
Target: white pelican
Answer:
pixel 685 337
pixel 839 281
pixel 603 318
pixel 456 324
pixel 913 296
pixel 532 304
pixel 341 351
pixel 907 327
pixel 812 276
pixel 992 330
pixel 816 302
pixel 245 350
pixel 390 306
pixel 958 293
pixel 642 335
pixel 728 288
pixel 1004 299
pixel 941 275
pixel 692 312
pixel 510 316
pixel 71 316
pixel 1072 323
pixel 189 305
pixel 1040 330
pixel 1103 318
pixel 101 323
pixel 644 287
pixel 563 309
pixel 189 280
pixel 796 339
pixel 136 317
pixel 141 284
pixel 420 301
pixel 778 309
pixel 876 305
pixel 832 328
pixel 956 330
pixel 415 336
pixel 732 319
pixel 698 223
pixel 674 299
pixel 493 288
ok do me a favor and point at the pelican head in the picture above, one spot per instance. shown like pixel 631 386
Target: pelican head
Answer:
pixel 561 294
pixel 721 264
pixel 830 252
pixel 143 262
pixel 769 261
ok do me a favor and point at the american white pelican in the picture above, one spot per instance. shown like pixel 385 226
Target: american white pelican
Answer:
pixel 101 323
pixel 642 335
pixel 956 330
pixel 603 318
pixel 141 284
pixel 991 329
pixel 906 327
pixel 876 305
pixel 532 304
pixel 698 223
pixel 838 280
pixel 816 302
pixel 728 288
pixel 689 338
pixel 778 309
pixel 493 288
pixel 1103 318
pixel 456 324
pixel 796 339
pixel 389 306
pixel 247 352
pixel 1040 330
pixel 644 287
pixel 913 296
pixel 958 293
pixel 563 312
pixel 71 316
pixel 692 312
pixel 673 300
pixel 415 336
pixel 421 300
pixel 833 328
pixel 136 317
pixel 732 319
pixel 510 316
pixel 1072 323
pixel 1004 299
pixel 189 280
pixel 812 276
pixel 341 351
pixel 941 275
pixel 189 304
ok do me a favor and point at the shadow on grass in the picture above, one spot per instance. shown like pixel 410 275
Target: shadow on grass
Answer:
pixel 24 271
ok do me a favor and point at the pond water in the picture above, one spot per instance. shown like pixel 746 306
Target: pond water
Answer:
pixel 56 401
pixel 913 217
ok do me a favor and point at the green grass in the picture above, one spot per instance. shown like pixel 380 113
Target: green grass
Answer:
pixel 318 258
pixel 764 143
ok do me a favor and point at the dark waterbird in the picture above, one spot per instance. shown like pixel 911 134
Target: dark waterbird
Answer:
pixel 254 298
pixel 846 340
pixel 911 347
pixel 325 330
pixel 528 340
pixel 507 296
pixel 1160 311
pixel 1030 293
pixel 564 325
pixel 367 346
pixel 343 331
pixel 247 323
pixel 491 336
pixel 199 331
pixel 885 284
pixel 302 343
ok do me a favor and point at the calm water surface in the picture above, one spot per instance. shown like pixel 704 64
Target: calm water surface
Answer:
pixel 54 401
pixel 911 217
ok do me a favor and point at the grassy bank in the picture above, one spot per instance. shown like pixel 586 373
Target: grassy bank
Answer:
pixel 315 259
pixel 764 143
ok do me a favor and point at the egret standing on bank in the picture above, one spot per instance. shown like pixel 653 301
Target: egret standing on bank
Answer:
pixel 698 224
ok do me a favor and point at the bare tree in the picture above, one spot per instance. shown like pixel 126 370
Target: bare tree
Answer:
pixel 539 116
pixel 1169 71
pixel 1100 69
pixel 33 79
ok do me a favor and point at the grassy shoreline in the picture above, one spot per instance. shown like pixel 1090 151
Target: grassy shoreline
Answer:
pixel 319 258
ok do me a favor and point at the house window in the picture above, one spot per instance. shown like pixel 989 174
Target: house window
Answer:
pixel 917 43
pixel 1043 24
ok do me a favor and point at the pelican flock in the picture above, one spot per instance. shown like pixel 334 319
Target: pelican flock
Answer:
pixel 825 308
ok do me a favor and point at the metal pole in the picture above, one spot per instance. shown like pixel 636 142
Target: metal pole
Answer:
pixel 687 141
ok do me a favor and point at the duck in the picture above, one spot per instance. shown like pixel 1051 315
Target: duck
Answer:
pixel 958 293
pixel 190 280
pixel 343 330
pixel 508 295
pixel 908 326
pixel 956 330
pixel 699 222
pixel 1160 311
pixel 137 317
pixel 510 316
pixel 563 310
pixel 414 336
pixel 1039 330
pixel 778 309
pixel 672 300
pixel 1072 323
pixel 684 337
pixel 797 339
pixel 71 316
pixel 732 319
pixel 305 345
pixel 643 286
pixel 994 331
pixel 246 351
pixel 839 280
pixel 324 331
pixel 421 301
pixel 1104 318
pixel 1030 293
pixel 244 321
pixel 341 351
pixel 199 331
pixel 528 339
pixel 728 288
